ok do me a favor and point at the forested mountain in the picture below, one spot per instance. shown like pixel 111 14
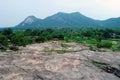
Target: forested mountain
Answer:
pixel 63 20
pixel 112 22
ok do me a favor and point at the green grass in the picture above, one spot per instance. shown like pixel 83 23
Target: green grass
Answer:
pixel 98 64
pixel 57 51
pixel 115 47
pixel 92 43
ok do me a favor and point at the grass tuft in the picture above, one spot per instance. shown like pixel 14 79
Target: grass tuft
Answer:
pixel 57 51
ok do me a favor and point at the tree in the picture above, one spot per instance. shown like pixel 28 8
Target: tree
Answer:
pixel 17 38
pixel 3 40
pixel 28 32
pixel 7 31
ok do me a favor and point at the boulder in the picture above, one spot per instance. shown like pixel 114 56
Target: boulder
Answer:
pixel 14 48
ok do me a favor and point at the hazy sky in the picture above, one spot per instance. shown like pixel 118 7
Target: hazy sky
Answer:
pixel 13 12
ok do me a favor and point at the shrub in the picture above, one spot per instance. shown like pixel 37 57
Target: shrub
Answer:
pixel 64 45
pixel 3 40
pixel 104 44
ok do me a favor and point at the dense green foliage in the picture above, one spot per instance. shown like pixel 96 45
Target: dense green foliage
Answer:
pixel 95 38
pixel 104 44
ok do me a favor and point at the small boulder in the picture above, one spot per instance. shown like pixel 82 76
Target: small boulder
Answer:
pixel 118 47
pixel 2 47
pixel 14 48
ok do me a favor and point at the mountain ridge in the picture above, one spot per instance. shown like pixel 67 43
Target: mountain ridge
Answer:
pixel 63 20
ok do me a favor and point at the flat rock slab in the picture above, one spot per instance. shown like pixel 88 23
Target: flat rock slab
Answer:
pixel 32 63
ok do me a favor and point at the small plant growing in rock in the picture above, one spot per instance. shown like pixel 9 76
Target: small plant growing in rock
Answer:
pixel 98 64
pixel 64 45
pixel 57 51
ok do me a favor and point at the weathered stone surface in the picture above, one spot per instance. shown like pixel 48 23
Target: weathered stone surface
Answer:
pixel 32 63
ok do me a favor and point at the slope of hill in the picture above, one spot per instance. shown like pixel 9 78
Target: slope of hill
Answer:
pixel 112 22
pixel 63 20
pixel 29 22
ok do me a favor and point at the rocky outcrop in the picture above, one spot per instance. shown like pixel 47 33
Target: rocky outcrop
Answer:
pixel 33 63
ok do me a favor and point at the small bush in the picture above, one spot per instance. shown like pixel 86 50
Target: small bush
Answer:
pixel 104 44
pixel 64 45
pixel 93 48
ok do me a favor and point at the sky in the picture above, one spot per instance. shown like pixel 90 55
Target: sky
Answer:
pixel 12 12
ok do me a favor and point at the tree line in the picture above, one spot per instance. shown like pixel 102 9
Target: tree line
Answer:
pixel 8 37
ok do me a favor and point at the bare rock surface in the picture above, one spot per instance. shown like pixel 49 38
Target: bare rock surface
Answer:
pixel 33 63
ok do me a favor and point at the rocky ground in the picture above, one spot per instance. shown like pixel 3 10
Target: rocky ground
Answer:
pixel 58 61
